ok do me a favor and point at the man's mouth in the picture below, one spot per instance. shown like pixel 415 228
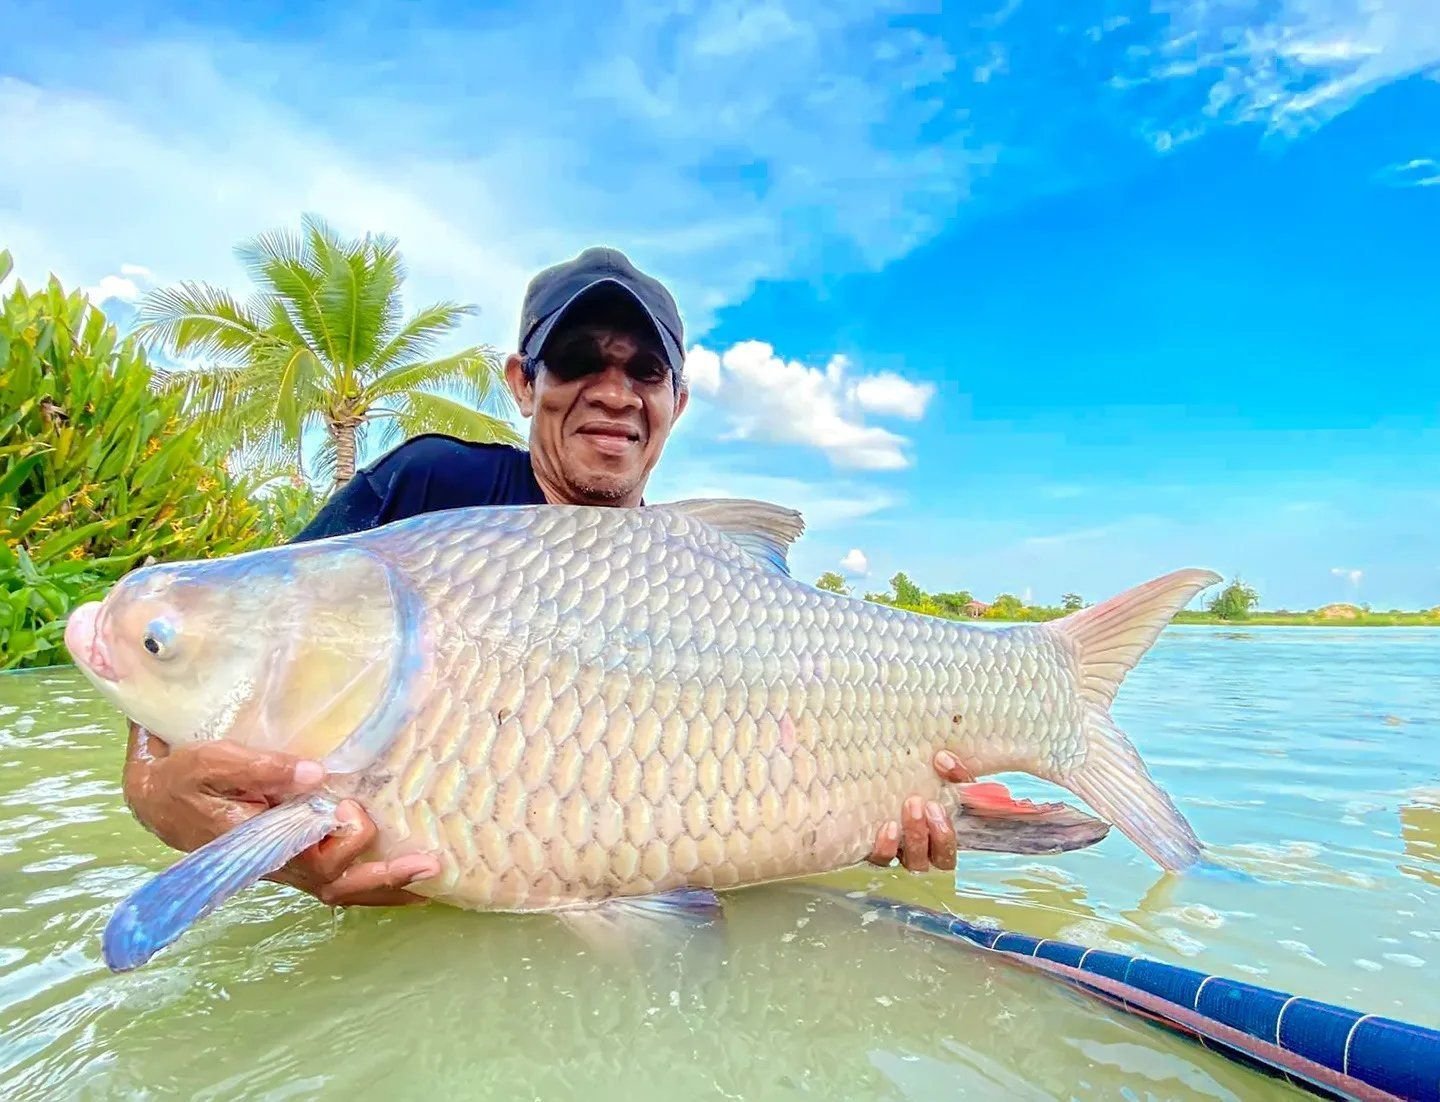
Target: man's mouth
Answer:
pixel 612 438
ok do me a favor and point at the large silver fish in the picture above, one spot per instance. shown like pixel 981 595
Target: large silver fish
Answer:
pixel 585 710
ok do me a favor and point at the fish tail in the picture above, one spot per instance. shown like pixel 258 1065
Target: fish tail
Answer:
pixel 1113 780
pixel 1109 639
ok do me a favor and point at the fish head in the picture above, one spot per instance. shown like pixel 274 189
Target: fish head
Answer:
pixel 295 648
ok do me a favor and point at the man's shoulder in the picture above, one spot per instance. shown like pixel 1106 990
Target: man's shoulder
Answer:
pixel 436 471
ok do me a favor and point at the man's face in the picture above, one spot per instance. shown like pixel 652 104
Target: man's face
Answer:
pixel 602 404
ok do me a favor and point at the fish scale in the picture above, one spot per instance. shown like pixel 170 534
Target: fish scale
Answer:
pixel 570 706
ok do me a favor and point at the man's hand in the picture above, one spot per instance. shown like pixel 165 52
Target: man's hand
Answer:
pixel 187 797
pixel 923 836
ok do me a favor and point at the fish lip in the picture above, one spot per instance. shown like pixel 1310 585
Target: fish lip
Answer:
pixel 86 642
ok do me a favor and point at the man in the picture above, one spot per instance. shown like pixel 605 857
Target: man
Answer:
pixel 599 373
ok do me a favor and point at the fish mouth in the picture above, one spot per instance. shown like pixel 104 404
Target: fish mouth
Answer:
pixel 86 644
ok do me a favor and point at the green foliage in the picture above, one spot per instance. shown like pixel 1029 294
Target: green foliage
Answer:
pixel 833 582
pixel 1007 606
pixel 1071 602
pixel 323 342
pixel 906 592
pixel 286 506
pixel 98 470
pixel 1234 602
pixel 953 604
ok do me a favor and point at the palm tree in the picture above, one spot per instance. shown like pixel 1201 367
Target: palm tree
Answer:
pixel 322 343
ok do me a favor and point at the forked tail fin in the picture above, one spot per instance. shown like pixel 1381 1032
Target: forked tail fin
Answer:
pixel 1109 639
pixel 1112 636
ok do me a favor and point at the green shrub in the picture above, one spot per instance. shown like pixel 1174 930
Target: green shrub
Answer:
pixel 99 471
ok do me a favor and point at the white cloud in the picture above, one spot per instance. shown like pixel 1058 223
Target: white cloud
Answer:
pixel 1291 65
pixel 888 393
pixel 1353 576
pixel 855 563
pixel 767 399
pixel 132 281
pixel 1420 172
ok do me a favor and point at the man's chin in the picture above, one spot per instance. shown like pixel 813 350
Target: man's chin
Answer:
pixel 604 489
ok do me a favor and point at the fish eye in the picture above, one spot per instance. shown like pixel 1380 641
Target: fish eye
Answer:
pixel 158 638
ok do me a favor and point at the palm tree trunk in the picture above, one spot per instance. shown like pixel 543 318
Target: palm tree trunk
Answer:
pixel 342 433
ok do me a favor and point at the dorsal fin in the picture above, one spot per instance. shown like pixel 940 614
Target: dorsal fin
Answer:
pixel 766 531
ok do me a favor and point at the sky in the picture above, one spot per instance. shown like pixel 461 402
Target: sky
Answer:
pixel 1036 297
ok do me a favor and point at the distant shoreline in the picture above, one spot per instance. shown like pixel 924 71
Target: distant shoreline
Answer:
pixel 1261 619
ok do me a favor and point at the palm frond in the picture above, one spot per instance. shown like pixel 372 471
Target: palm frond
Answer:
pixel 272 249
pixel 426 412
pixel 292 270
pixel 220 391
pixel 195 319
pixel 418 336
pixel 299 390
pixel 477 370
pixel 263 453
pixel 360 293
pixel 324 461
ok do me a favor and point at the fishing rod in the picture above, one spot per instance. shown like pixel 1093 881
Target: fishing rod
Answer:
pixel 1328 1050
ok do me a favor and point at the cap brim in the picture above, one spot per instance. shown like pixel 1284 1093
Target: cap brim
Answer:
pixel 542 332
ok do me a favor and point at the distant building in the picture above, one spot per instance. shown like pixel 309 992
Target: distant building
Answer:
pixel 976 609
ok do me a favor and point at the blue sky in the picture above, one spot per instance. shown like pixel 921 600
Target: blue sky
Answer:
pixel 1048 297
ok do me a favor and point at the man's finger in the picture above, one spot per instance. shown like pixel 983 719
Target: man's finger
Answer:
pixel 949 767
pixel 228 767
pixel 942 837
pixel 359 883
pixel 328 859
pixel 915 854
pixel 887 845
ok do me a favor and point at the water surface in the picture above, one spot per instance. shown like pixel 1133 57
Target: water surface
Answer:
pixel 1305 757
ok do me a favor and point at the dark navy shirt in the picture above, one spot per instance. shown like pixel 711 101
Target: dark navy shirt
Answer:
pixel 425 474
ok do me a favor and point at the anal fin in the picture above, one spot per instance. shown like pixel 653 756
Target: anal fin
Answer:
pixel 162 910
pixel 990 818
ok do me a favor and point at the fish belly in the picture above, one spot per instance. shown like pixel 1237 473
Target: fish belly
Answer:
pixel 624 704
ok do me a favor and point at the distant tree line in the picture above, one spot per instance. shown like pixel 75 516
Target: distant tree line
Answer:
pixel 1236 602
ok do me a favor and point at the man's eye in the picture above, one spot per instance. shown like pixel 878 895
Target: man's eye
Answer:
pixel 649 371
pixel 574 365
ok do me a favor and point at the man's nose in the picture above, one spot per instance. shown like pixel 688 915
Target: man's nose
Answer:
pixel 612 386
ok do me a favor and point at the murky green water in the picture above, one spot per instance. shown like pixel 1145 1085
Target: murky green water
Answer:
pixel 1309 758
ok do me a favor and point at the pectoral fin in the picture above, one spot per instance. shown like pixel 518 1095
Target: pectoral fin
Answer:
pixel 991 819
pixel 168 905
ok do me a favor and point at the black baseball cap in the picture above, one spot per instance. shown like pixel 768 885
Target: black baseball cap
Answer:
pixel 595 271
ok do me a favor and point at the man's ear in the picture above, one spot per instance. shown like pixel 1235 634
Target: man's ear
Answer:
pixel 520 387
pixel 682 400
